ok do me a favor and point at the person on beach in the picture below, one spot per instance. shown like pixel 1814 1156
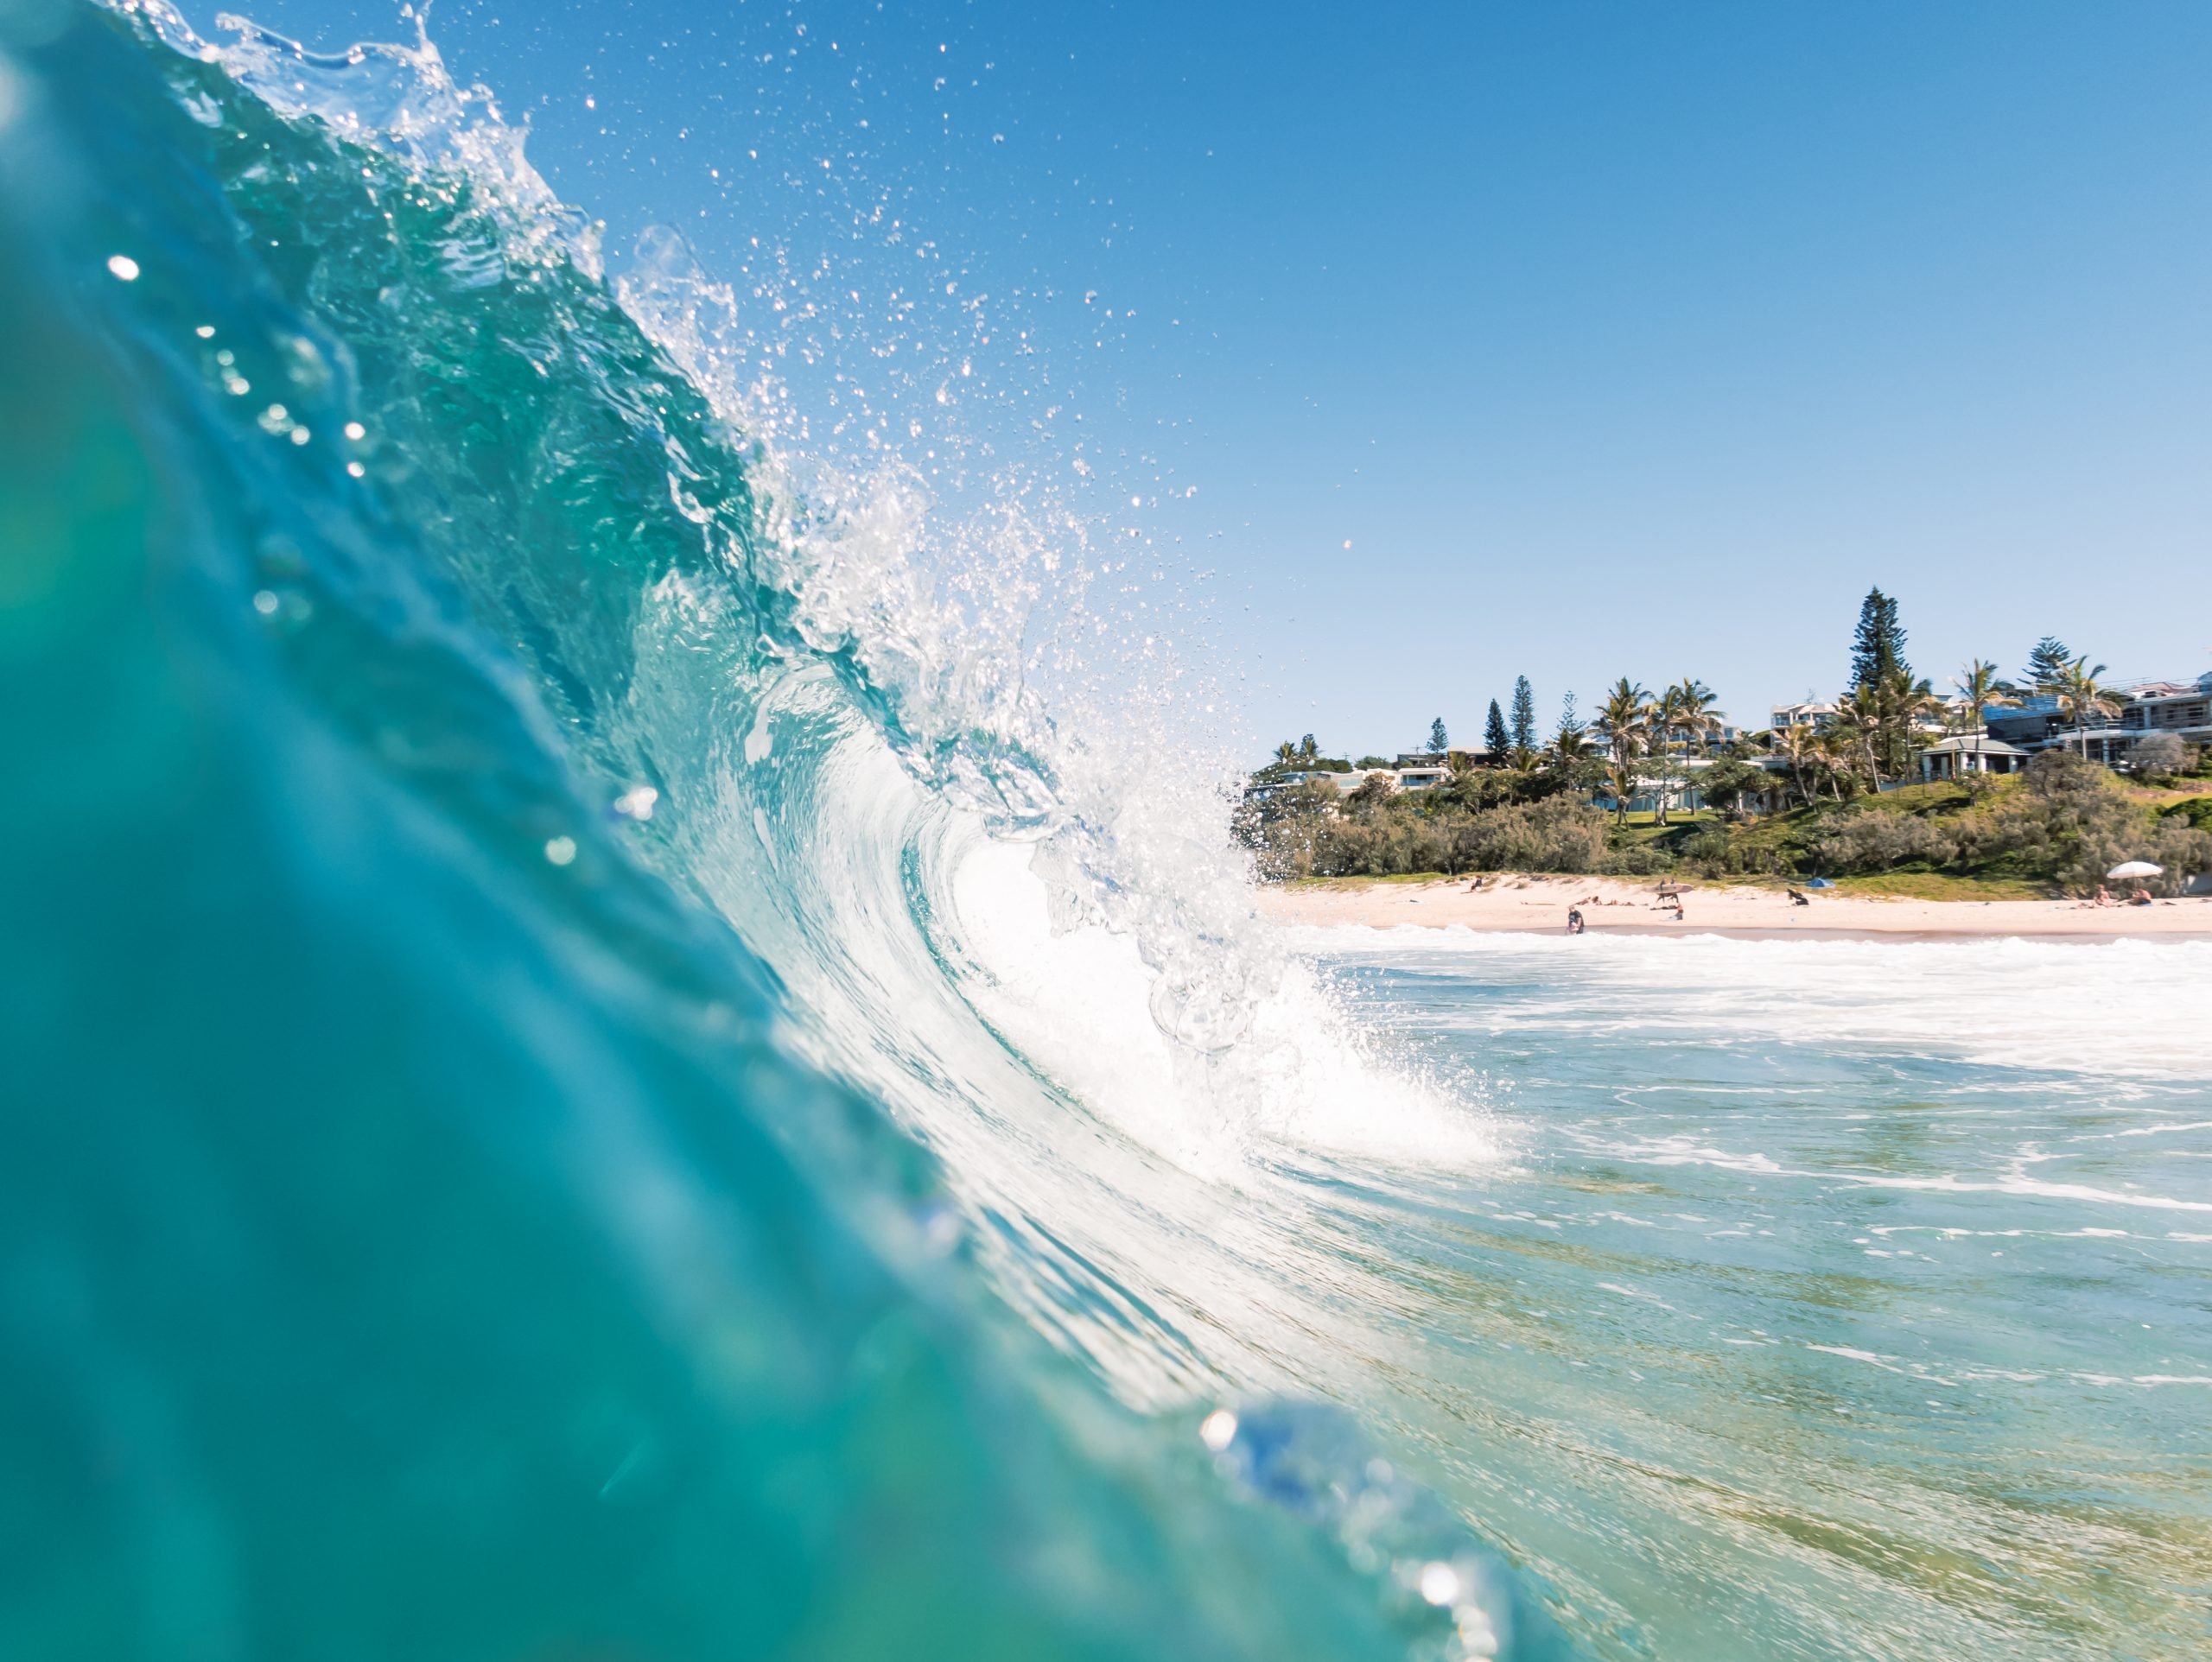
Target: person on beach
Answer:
pixel 2104 896
pixel 1796 900
pixel 1574 920
pixel 2140 898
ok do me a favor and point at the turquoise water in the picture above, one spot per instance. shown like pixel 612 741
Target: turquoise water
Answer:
pixel 1840 1299
pixel 601 1061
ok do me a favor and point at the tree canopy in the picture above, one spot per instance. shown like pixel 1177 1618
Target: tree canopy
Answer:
pixel 1878 644
pixel 2048 663
pixel 1496 740
pixel 1524 715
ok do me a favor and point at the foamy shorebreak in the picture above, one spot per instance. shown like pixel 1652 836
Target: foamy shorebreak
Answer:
pixel 1612 905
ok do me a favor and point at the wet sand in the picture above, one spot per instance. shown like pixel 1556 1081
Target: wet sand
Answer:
pixel 1624 906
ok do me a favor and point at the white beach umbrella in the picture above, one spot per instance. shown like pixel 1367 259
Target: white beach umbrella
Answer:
pixel 2136 868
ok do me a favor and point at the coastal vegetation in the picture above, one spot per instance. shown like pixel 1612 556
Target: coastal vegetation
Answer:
pixel 2061 825
pixel 1804 800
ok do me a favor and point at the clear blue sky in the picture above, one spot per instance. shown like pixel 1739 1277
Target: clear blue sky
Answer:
pixel 1613 338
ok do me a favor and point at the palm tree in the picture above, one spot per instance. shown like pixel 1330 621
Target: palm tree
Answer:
pixel 1904 703
pixel 1796 746
pixel 1286 752
pixel 1664 713
pixel 1845 744
pixel 1694 716
pixel 1620 779
pixel 1859 727
pixel 1979 686
pixel 2080 699
pixel 1622 719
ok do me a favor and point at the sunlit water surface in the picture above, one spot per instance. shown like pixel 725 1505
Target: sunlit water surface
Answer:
pixel 1836 1299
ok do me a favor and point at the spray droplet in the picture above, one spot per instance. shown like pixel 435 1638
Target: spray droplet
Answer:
pixel 562 851
pixel 1439 1583
pixel 1218 1429
pixel 124 267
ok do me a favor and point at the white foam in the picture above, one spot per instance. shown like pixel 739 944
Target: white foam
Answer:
pixel 2124 1010
pixel 1080 1002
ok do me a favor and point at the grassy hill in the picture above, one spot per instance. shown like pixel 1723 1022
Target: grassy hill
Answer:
pixel 2057 828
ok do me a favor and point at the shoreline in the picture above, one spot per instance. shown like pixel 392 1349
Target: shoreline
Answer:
pixel 1538 905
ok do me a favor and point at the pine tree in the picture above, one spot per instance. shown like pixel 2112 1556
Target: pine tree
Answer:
pixel 1878 644
pixel 1438 740
pixel 2048 665
pixel 1569 720
pixel 1496 740
pixel 1524 715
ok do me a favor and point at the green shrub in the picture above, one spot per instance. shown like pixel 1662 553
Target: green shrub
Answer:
pixel 1872 839
pixel 2072 823
pixel 2196 813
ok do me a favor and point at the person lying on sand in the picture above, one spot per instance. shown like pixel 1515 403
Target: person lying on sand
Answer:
pixel 2140 898
pixel 1796 900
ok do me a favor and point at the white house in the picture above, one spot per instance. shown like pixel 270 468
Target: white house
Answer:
pixel 1812 715
pixel 1970 752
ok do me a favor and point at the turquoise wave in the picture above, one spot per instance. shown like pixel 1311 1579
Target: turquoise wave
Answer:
pixel 503 1154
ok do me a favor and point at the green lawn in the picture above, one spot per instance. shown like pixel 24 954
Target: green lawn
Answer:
pixel 1939 885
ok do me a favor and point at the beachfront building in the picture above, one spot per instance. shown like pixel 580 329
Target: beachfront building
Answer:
pixel 1810 714
pixel 1415 774
pixel 2182 708
pixel 1260 790
pixel 1679 786
pixel 1970 752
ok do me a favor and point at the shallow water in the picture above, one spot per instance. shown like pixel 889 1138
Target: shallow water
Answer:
pixel 1837 1298
pixel 599 1064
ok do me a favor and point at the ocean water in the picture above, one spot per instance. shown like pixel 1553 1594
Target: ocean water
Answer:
pixel 604 1059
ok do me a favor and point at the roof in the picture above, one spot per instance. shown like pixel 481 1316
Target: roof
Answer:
pixel 1978 744
pixel 2151 689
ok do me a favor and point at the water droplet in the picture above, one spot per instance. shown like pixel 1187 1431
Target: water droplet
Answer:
pixel 1218 1429
pixel 562 851
pixel 1439 1583
pixel 264 602
pixel 124 267
pixel 356 432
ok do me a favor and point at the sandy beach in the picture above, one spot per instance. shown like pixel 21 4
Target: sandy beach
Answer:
pixel 1622 906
